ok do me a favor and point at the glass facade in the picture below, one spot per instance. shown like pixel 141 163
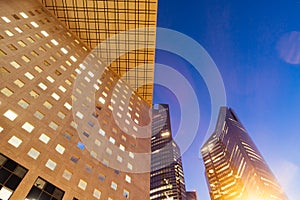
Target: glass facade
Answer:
pixel 235 169
pixel 121 32
pixel 167 178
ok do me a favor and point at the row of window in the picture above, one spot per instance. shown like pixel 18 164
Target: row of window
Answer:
pixel 11 175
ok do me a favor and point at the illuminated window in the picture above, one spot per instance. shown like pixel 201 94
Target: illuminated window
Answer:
pixel 97 194
pixel 15 141
pixel 33 153
pixel 64 50
pixel 112 140
pixel 128 179
pixel 23 103
pixel 42 86
pixel 44 138
pixel 119 158
pixel 7 92
pixel 129 166
pixel 34 94
pixel 61 115
pixel 15 64
pixel 82 184
pixel 55 96
pixel 101 132
pixel 39 115
pixel 114 185
pixel 53 125
pixel 47 105
pixel 67 175
pixel 28 127
pixel 38 69
pixel 68 106
pixel 29 75
pixel 23 15
pixel 122 147
pixel 25 58
pixel 6 19
pixel 51 164
pixel 125 194
pixel 60 149
pixel 44 33
pixel 54 42
pixel 9 33
pixel 22 43
pixel 11 115
pixel 34 24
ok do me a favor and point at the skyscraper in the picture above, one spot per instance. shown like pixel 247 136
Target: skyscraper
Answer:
pixel 121 32
pixel 167 179
pixel 191 195
pixel 70 128
pixel 235 169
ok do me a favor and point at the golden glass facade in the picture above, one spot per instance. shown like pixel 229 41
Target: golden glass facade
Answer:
pixel 235 169
pixel 64 116
pixel 121 32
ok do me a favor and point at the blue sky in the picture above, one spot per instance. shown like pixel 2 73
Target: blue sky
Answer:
pixel 255 46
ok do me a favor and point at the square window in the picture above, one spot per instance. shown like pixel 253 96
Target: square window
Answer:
pixel 47 104
pixel 29 75
pixel 80 145
pixel 33 153
pixel 42 86
pixel 125 194
pixel 15 141
pixel 82 184
pixel 44 138
pixel 119 158
pixel 39 115
pixel 53 125
pixel 60 149
pixel 112 140
pixel 113 185
pixel 128 179
pixel 28 127
pixel 51 164
pixel 34 94
pixel 5 193
pixel 97 194
pixel 7 92
pixel 15 64
pixel 19 83
pixel 67 175
pixel 55 96
pixel 11 115
pixel 61 115
pixel 23 103
pixel 129 166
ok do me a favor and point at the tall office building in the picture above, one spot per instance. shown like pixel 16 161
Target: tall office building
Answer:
pixel 122 33
pixel 191 195
pixel 167 179
pixel 70 128
pixel 235 169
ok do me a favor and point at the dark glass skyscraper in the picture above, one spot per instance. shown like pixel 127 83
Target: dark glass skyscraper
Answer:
pixel 235 169
pixel 167 180
pixel 191 195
